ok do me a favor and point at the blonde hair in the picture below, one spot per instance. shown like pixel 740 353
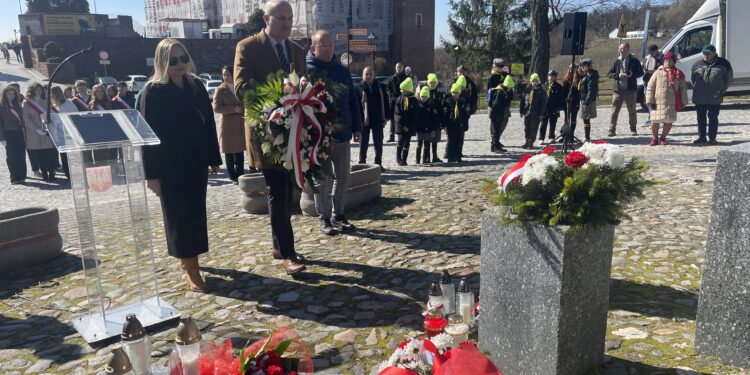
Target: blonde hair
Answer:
pixel 161 62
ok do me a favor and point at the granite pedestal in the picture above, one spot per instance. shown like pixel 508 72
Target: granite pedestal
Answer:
pixel 723 319
pixel 544 296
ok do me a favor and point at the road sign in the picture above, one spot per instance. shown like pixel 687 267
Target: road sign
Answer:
pixel 622 29
pixel 516 69
pixel 342 37
pixel 359 42
pixel 104 62
pixel 363 48
pixel 357 31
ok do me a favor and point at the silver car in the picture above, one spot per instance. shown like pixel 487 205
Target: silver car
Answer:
pixel 211 87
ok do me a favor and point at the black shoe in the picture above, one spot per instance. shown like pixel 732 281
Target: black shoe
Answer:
pixel 499 150
pixel 713 142
pixel 340 223
pixel 633 133
pixel 700 140
pixel 500 144
pixel 436 160
pixel 391 138
pixel 326 227
pixel 16 182
pixel 381 168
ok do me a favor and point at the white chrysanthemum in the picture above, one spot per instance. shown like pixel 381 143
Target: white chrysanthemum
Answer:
pixel 614 157
pixel 604 154
pixel 442 341
pixel 279 140
pixel 536 168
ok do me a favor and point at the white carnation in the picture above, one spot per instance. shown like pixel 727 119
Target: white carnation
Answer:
pixel 442 341
pixel 536 168
pixel 604 154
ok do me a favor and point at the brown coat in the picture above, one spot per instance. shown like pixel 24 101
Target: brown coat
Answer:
pixel 231 126
pixel 661 93
pixel 33 122
pixel 254 60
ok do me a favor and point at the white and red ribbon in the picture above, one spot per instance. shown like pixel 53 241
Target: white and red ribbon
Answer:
pixel 80 104
pixel 300 106
pixel 511 174
pixel 36 107
pixel 121 103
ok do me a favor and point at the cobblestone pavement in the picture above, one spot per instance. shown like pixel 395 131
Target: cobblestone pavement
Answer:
pixel 362 293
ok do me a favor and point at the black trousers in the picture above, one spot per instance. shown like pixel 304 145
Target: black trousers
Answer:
pixel 15 155
pixel 280 196
pixel 393 123
pixel 33 160
pixel 712 112
pixel 377 141
pixel 551 119
pixel 64 161
pixel 235 167
pixel 455 143
pixel 46 159
pixel 531 125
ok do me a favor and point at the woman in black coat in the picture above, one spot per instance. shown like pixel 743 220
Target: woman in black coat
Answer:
pixel 177 107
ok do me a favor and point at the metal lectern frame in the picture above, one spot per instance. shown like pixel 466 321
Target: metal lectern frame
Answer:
pixel 106 166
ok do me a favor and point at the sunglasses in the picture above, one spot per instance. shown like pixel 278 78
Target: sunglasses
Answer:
pixel 182 59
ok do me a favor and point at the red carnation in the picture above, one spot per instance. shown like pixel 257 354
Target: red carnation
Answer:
pixel 322 97
pixel 576 159
pixel 272 359
pixel 274 370
pixel 319 86
pixel 549 150
pixel 292 372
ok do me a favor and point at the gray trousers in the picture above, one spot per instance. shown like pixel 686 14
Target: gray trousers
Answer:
pixel 331 191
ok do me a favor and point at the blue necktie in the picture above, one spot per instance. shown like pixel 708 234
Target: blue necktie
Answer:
pixel 282 57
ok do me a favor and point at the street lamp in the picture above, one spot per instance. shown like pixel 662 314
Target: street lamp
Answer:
pixel 371 40
pixel 456 50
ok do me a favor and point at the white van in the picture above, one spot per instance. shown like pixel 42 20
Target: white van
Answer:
pixel 723 23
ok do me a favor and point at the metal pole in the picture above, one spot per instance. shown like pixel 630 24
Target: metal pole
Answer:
pixel 20 10
pixel 349 38
pixel 372 57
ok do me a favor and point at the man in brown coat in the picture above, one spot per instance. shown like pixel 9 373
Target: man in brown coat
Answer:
pixel 256 57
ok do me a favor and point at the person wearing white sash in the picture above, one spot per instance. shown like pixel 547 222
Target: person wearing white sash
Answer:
pixel 124 98
pixel 82 97
pixel 38 141
pixel 11 135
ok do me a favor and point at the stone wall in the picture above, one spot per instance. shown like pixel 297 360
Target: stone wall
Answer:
pixel 129 55
pixel 411 44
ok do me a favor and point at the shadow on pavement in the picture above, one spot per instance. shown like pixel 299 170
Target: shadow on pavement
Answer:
pixel 379 209
pixel 652 300
pixel 624 366
pixel 5 77
pixel 44 335
pixel 18 280
pixel 470 244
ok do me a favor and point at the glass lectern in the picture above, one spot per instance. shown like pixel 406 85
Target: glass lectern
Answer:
pixel 106 175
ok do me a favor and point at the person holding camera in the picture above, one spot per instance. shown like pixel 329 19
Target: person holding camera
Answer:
pixel 625 71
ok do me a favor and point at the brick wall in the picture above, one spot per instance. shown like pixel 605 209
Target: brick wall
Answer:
pixel 411 44
pixel 128 55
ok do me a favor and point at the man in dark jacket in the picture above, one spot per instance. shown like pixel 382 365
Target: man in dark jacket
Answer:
pixel 555 103
pixel 710 77
pixel 321 64
pixel 625 73
pixel 374 105
pixel 394 91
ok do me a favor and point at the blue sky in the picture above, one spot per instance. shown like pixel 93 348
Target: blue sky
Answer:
pixel 134 8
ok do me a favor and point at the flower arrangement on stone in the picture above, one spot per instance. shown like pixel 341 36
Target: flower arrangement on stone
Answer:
pixel 590 186
pixel 294 119
pixel 436 356
pixel 282 353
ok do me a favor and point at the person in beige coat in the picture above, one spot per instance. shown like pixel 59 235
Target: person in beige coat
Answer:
pixel 231 126
pixel 38 141
pixel 665 95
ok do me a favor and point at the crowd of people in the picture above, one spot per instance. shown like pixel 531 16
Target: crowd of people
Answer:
pixel 5 48
pixel 176 104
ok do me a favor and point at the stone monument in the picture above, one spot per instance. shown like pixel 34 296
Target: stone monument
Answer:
pixel 723 321
pixel 544 296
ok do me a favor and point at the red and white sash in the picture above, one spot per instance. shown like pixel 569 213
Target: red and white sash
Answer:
pixel 121 103
pixel 39 110
pixel 14 113
pixel 80 104
pixel 100 108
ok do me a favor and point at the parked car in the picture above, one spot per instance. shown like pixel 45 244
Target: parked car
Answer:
pixel 205 77
pixel 211 86
pixel 105 81
pixel 136 82
pixel 356 80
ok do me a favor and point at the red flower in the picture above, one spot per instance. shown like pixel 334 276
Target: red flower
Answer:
pixel 274 370
pixel 319 86
pixel 576 159
pixel 525 158
pixel 272 359
pixel 549 150
pixel 600 142
pixel 322 97
pixel 292 372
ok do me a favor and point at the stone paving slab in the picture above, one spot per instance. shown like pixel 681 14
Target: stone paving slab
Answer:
pixel 363 292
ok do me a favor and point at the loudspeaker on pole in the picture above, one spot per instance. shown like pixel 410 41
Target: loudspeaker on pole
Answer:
pixel 574 33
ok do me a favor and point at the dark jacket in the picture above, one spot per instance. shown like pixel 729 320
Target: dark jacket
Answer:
pixel 499 105
pixel 9 121
pixel 394 86
pixel 588 88
pixel 471 94
pixel 429 111
pixel 534 102
pixel 710 80
pixel 406 114
pixel 439 98
pixel 494 80
pixel 630 64
pixel 347 104
pixel 374 104
pixel 457 116
pixel 555 97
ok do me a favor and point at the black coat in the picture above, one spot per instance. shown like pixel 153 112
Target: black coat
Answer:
pixel 429 112
pixel 555 97
pixel 631 64
pixel 406 115
pixel 456 120
pixel 588 88
pixel 534 105
pixel 183 119
pixel 394 86
pixel 499 105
